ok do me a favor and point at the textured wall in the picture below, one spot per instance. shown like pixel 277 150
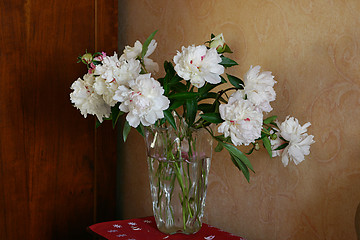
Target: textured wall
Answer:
pixel 312 47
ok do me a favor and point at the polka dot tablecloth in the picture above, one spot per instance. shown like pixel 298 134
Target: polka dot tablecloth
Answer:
pixel 145 228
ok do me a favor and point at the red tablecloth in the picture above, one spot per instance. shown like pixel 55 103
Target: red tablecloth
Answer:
pixel 145 228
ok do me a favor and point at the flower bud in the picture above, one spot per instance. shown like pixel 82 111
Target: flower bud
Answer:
pixel 87 58
pixel 218 42
pixel 257 146
pixel 273 136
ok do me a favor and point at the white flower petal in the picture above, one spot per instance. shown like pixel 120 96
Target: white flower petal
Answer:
pixel 299 140
pixel 135 52
pixel 241 121
pixel 143 100
pixel 199 65
pixel 150 65
pixel 259 88
pixel 87 100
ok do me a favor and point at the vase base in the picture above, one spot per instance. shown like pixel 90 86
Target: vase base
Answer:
pixel 177 230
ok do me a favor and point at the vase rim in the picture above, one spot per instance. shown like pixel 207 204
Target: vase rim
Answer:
pixel 171 128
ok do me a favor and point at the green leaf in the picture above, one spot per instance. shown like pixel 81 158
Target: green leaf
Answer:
pixel 206 107
pixel 184 95
pixel 140 129
pixel 282 146
pixel 207 87
pixel 169 77
pixel 166 85
pixel 178 87
pixel 223 80
pixel 161 81
pixel 97 123
pixel 237 153
pixel 115 114
pixel 175 79
pixel 212 95
pixel 126 130
pixel 169 117
pixel 161 121
pixel 241 166
pixel 146 44
pixel 227 49
pixel 175 104
pixel 235 81
pixel 267 145
pixel 212 36
pixel 227 62
pixel 169 68
pixel 222 138
pixel 191 109
pixel 269 119
pixel 219 147
pixel 212 117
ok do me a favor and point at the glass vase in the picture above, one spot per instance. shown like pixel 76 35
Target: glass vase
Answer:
pixel 178 163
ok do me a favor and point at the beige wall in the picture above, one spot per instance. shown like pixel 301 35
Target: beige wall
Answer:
pixel 313 49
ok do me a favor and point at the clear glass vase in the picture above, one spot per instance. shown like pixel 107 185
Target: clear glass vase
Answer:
pixel 179 163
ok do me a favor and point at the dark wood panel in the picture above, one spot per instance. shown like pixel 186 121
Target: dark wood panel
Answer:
pixel 47 149
pixel 14 157
pixel 105 135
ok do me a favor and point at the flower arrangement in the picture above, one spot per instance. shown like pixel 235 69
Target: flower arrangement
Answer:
pixel 192 90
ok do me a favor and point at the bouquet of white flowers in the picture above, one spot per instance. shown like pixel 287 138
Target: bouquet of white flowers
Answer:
pixel 121 85
pixel 169 111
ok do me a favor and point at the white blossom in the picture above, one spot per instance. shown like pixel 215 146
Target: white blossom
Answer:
pixel 241 121
pixel 87 100
pixel 106 90
pixel 259 88
pixel 299 140
pixel 109 68
pixel 143 100
pixel 199 65
pixel 135 52
pixel 113 73
pixel 128 70
pixel 122 71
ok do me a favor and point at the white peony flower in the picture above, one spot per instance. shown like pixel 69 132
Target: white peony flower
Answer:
pixel 143 100
pixel 113 73
pixel 135 52
pixel 128 70
pixel 299 140
pixel 259 88
pixel 112 69
pixel 106 90
pixel 242 122
pixel 86 100
pixel 109 68
pixel 199 65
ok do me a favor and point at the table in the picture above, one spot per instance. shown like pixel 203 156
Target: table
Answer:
pixel 145 228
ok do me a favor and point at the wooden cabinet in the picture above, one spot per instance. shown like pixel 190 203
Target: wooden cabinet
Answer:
pixel 57 173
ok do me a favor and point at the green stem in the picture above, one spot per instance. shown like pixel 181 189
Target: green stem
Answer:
pixel 263 130
pixel 221 92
